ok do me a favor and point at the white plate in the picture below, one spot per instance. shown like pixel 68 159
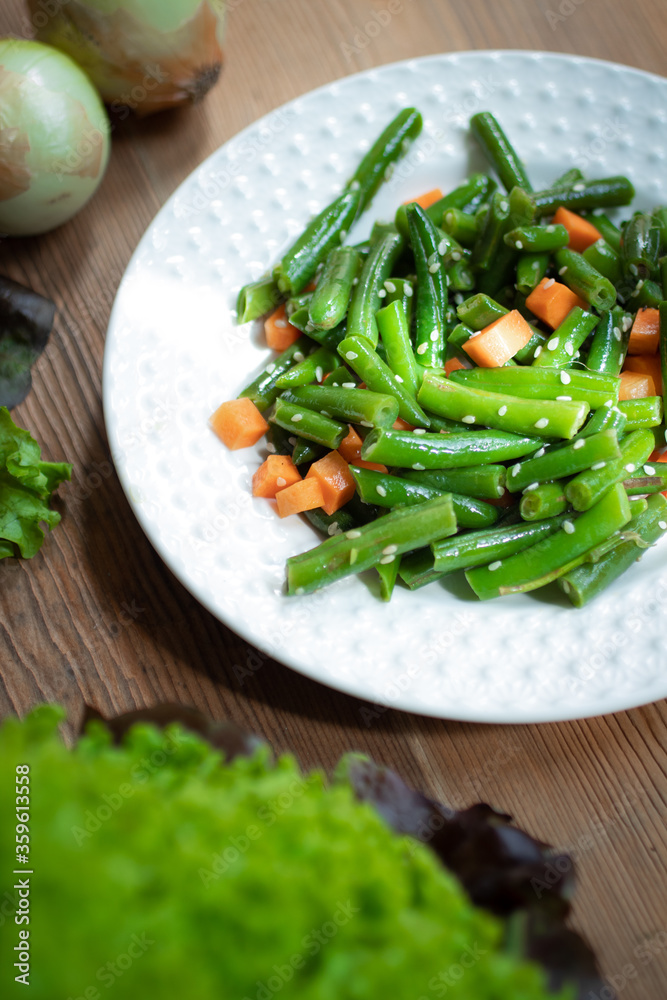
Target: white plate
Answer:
pixel 174 354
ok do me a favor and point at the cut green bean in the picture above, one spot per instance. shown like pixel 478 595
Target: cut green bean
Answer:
pixel 537 239
pixel 388 573
pixel 610 342
pixel 331 524
pixel 407 450
pixel 650 478
pixel 561 348
pixel 486 482
pixel 646 293
pixel 366 297
pixel 258 298
pixel 546 500
pixel 499 151
pixel 457 401
pixel 605 418
pixel 606 193
pixel 462 226
pixel 431 289
pixel 543 383
pixel 568 179
pixel 583 279
pixel 587 487
pixel 330 300
pixel 416 569
pixel 589 580
pixel 311 369
pixel 610 232
pixel 403 291
pixel 393 326
pixel 389 147
pixel 640 247
pixel 342 376
pixel 604 259
pixel 263 390
pixel 641 413
pixel 490 239
pixel 308 424
pixel 578 456
pixel 359 354
pixel 354 406
pixel 306 451
pixel 384 539
pixel 483 547
pixel 530 269
pixel 479 310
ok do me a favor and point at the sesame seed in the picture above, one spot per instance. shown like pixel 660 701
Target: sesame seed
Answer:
pixel 515 469
pixel 343 234
pixel 579 186
pixel 578 444
pixel 299 356
pixel 418 467
pixel 387 559
pixel 408 291
pixel 531 487
pixel 568 527
pixel 468 419
pixel 442 247
pixel 390 286
pixel 422 349
pixel 349 385
pixel 553 344
pixel 355 185
pixel 550 229
pixel 353 556
pixel 649 470
pixel 538 454
pixel 662 525
pixel 365 423
pixel 630 467
pixel 355 281
pixel 564 399
pixel 458 298
pixel 627 323
pixel 504 206
pixel 299 591
pixel 538 350
pixel 390 550
pixel 569 349
pixel 549 283
pixel 398 378
pixel 633 270
pixel 270 369
pixel 542 422
pixel 382 294
pixel 280 323
pixel 350 355
pixel 353 534
pixel 608 402
pixel 433 268
pixel 292 440
pixel 565 378
pixel 319 373
pixel 495 565
pixel 297 417
pixel 519 245
pixel 617 333
pixel 598 465
pixel 456 255
pixel 435 335
pixel 271 448
pixel 502 410
pixel 566 586
pixel 381 491
pixel 333 529
pixel 563 270
pixel 419 430
pixel 280 481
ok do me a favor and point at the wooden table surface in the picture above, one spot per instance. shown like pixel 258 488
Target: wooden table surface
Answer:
pixel 96 617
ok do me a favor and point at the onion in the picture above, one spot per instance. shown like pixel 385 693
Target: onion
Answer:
pixel 146 55
pixel 54 138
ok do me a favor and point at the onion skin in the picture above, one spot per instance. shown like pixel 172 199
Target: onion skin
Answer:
pixel 54 138
pixel 140 55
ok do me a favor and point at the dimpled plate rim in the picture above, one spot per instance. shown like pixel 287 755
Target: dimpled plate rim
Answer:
pixel 173 353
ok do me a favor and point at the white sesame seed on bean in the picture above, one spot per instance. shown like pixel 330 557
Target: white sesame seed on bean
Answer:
pixel 542 423
pixel 386 560
pixel 433 268
pixel 563 270
pixel 271 448
pixel 553 344
pixel 502 410
pixel 299 357
pixel 538 454
pixel 408 291
pixel 568 527
pixel 550 229
pixel 468 419
pixel 299 591
pixel 418 467
pixel 382 294
pixel 538 350
pixel 270 369
pixel 333 529
pixel 419 430
pixel 456 255
pixel 504 206
pixel 390 286
pixel 531 487
pixel 296 418
pixel 630 467
pixel 353 534
pixel 617 333
pixel 422 349
pixel 579 186
pixel 519 245
pixel 564 399
pixel 350 355
pixel 390 550
pixel 381 491
pixel 662 525
pixel 565 378
pixel 598 465
pixel 365 423
pixel 515 469
pixel 569 349
pixel 442 247
pixel 549 283
pixel 495 565
pixel 649 470
pixel 434 335
pixel 319 374
pixel 578 444
pixel 349 385
pixel 398 378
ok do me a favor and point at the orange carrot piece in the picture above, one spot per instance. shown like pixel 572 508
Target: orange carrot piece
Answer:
pixel 335 480
pixel 402 425
pixel 645 333
pixel 274 475
pixel 350 446
pixel 304 495
pixel 453 365
pixel 427 199
pixel 280 334
pixel 506 500
pixel 499 341
pixel 634 385
pixel 238 423
pixel 582 232
pixel 551 301
pixel 646 364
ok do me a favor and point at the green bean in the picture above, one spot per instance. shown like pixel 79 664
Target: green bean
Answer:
pixel 366 298
pixel 610 342
pixel 542 383
pixel 479 310
pixel 327 230
pixel 530 269
pixel 380 230
pixel 588 580
pixel 278 441
pixel 647 293
pixel 663 354
pixel 583 279
pixel 263 390
pixel 330 300
pixel 384 539
pixel 378 376
pixel 546 500
pixel 325 338
pixel 568 179
pixel 309 425
pixel 652 480
pixel 483 547
pixel 485 482
pixel 457 401
pixel 331 524
pixel 342 376
pixel 392 491
pixel 257 298
pixel 393 326
pixel 537 239
pixel 604 259
pixel 535 345
pixel 605 418
pixel 491 237
pixel 499 151
pixel 416 569
pixel 306 451
pixel 550 558
pixel 467 197
pixel 641 413
pixel 354 406
pixel 387 573
pixel 569 460
pixel 586 488
pixel 311 369
pixel 641 245
pixel 465 228
pixel 431 288
pixel 407 450
pixel 610 232
pixel 460 276
pixel 660 221
pixel 605 193
pixel 400 290
pixel 393 143
pixel 561 348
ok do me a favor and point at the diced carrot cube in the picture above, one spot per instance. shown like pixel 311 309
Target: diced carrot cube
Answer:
pixel 280 334
pixel 453 365
pixel 636 386
pixel 499 341
pixel 304 495
pixel 427 199
pixel 274 475
pixel 645 333
pixel 350 446
pixel 238 423
pixel 402 425
pixel 335 479
pixel 646 364
pixel 551 301
pixel 582 232
pixel 375 466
